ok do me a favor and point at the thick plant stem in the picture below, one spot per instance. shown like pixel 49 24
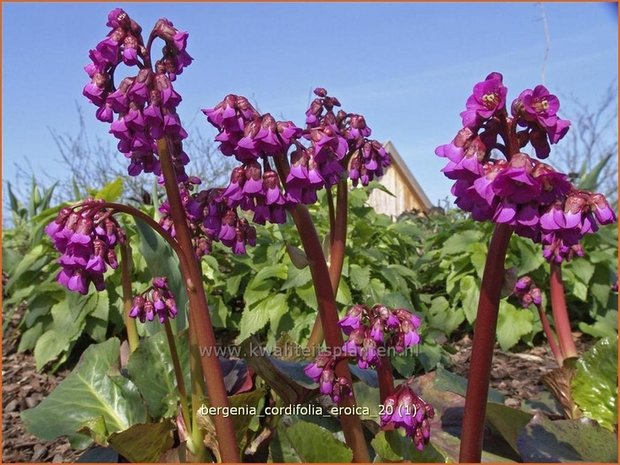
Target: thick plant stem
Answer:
pixel 199 318
pixel 351 424
pixel 385 376
pixel 328 311
pixel 560 312
pixel 338 234
pixel 178 374
pixel 551 337
pixel 130 323
pixel 482 350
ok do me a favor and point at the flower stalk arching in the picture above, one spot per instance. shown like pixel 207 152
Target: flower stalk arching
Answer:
pixel 199 318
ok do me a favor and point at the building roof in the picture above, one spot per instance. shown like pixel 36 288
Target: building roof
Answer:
pixel 407 176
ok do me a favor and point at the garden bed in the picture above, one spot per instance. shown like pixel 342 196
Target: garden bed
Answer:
pixel 515 374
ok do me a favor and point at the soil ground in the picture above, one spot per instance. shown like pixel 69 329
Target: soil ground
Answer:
pixel 515 374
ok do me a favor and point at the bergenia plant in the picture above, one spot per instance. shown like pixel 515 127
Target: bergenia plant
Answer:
pixel 281 168
pixel 495 180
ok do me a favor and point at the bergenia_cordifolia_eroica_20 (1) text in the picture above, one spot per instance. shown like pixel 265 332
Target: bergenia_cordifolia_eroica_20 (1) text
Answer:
pixel 281 168
pixel 495 180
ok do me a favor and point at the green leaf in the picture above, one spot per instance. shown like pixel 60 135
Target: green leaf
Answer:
pixel 509 422
pixel 69 319
pixel 394 446
pixel 32 261
pixel 360 277
pixel 372 185
pixel 583 270
pixel 95 388
pixel 594 385
pixel 344 293
pixel 605 326
pixel 544 440
pixel 151 370
pixel 232 284
pixel 445 380
pixel 30 337
pixel 309 443
pixel 442 317
pixel 580 290
pixel 297 256
pixel 161 261
pixel 512 324
pixel 267 310
pixel 530 255
pixel 296 277
pixel 96 429
pixel 112 191
pixel 144 442
pixel 470 295
pixel 457 243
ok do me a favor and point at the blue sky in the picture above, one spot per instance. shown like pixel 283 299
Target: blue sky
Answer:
pixel 408 67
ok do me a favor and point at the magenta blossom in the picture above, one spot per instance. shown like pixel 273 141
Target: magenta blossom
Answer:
pixel 86 235
pixel 405 409
pixel 488 98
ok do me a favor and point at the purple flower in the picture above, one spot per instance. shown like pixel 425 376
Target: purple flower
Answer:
pixel 603 212
pixel 515 182
pixel 352 320
pixel 405 409
pixel 488 98
pixel 85 235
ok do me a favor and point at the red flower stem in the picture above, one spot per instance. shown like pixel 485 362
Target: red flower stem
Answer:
pixel 560 312
pixel 338 233
pixel 132 211
pixel 332 213
pixel 178 374
pixel 385 376
pixel 551 337
pixel 198 383
pixel 351 424
pixel 482 350
pixel 199 318
pixel 130 323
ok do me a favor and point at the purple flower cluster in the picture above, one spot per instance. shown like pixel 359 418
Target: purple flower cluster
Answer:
pixel 567 220
pixel 536 111
pixel 526 291
pixel 376 327
pixel 368 330
pixel 405 409
pixel 145 104
pixel 158 300
pixel 210 218
pixel 523 192
pixel 253 189
pixel 334 142
pixel 86 236
pixel 322 371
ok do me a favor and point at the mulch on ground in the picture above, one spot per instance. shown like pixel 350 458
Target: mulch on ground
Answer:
pixel 22 388
pixel 516 375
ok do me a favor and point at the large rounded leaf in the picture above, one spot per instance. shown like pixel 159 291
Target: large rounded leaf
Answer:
pixel 94 389
pixel 595 386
